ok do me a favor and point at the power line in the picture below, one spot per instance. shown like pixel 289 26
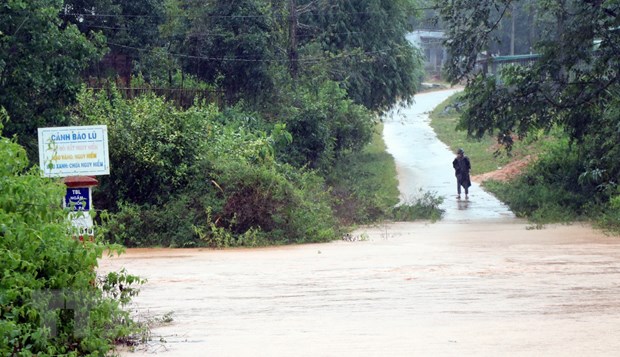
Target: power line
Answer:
pixel 214 33
pixel 315 12
pixel 284 60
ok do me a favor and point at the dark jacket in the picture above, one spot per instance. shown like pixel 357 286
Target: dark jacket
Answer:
pixel 461 169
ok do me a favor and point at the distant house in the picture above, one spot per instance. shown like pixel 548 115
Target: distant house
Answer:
pixel 494 64
pixel 431 45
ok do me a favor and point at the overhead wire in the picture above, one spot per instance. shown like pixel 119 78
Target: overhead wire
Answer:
pixel 238 59
pixel 319 12
pixel 284 60
pixel 213 34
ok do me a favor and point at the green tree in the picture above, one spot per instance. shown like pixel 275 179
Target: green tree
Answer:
pixel 366 39
pixel 43 268
pixel 230 42
pixel 40 63
pixel 574 84
pixel 131 29
pixel 325 125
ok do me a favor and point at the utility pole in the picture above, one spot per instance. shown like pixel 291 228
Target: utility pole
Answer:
pixel 512 35
pixel 293 56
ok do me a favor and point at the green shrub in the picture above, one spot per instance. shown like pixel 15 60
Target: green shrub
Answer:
pixel 168 225
pixel 425 206
pixel 239 205
pixel 50 302
pixel 325 125
pixel 238 195
pixel 549 190
pixel 609 219
pixel 153 146
pixel 263 204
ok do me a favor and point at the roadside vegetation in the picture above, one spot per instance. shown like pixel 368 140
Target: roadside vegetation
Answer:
pixel 551 188
pixel 364 187
pixel 486 153
pixel 52 302
pixel 566 91
pixel 260 131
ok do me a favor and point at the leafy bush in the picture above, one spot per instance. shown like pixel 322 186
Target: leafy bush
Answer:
pixel 168 225
pixel 549 191
pixel 153 146
pixel 289 205
pixel 423 207
pixel 325 125
pixel 610 217
pixel 237 195
pixel 239 205
pixel 50 303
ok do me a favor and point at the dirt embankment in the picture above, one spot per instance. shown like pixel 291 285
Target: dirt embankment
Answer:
pixel 504 173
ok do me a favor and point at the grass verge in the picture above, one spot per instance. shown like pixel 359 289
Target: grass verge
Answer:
pixel 365 188
pixel 364 183
pixel 485 154
pixel 548 190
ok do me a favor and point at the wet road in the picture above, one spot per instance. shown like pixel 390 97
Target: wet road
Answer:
pixel 479 283
pixel 425 163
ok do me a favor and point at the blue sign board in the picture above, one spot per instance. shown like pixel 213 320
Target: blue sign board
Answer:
pixel 78 196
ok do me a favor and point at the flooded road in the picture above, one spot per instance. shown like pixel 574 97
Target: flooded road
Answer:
pixel 479 283
pixel 410 289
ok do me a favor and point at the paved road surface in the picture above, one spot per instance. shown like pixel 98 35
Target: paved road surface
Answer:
pixel 425 163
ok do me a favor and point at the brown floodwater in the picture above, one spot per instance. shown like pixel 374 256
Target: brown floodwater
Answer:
pixel 478 283
pixel 496 288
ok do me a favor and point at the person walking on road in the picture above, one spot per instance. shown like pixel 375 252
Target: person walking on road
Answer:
pixel 462 166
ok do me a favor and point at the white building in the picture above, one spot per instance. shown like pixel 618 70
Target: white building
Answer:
pixel 431 45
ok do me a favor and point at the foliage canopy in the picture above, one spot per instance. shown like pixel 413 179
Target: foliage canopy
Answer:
pixel 40 64
pixel 50 300
pixel 574 84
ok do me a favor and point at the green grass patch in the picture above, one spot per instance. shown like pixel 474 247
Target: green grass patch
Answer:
pixel 365 188
pixel 364 184
pixel 485 154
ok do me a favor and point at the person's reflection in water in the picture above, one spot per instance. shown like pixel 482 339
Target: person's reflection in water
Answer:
pixel 462 204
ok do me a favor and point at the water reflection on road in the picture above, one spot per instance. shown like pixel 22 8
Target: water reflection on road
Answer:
pixel 425 164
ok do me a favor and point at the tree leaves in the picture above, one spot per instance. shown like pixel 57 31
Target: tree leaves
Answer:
pixel 573 84
pixel 40 63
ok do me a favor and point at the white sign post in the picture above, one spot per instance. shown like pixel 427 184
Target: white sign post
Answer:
pixel 74 151
pixel 78 151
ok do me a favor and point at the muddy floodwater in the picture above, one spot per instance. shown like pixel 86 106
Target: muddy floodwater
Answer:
pixel 478 283
pixel 409 289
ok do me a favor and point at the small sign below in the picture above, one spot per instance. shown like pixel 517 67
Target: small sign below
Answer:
pixel 78 198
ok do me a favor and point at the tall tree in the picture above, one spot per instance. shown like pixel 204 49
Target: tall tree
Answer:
pixel 40 63
pixel 130 27
pixel 574 84
pixel 371 55
pixel 231 42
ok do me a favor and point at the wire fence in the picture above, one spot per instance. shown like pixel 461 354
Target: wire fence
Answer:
pixel 183 97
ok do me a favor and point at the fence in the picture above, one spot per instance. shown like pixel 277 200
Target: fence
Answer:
pixel 183 97
pixel 493 65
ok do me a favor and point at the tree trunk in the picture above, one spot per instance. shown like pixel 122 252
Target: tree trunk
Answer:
pixel 292 33
pixel 512 33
